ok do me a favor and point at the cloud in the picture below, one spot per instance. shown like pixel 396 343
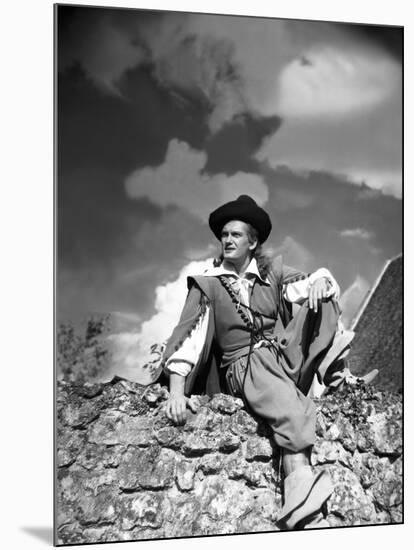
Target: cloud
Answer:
pixel 333 82
pixel 357 233
pixel 352 298
pixel 179 181
pixel 293 252
pixel 362 148
pixel 340 96
pixel 104 50
pixel 133 347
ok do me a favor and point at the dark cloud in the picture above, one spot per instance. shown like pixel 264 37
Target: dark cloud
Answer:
pixel 113 251
pixel 232 148
pixel 321 208
pixel 391 38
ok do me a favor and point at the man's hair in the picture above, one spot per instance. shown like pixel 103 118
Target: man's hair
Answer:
pixel 263 261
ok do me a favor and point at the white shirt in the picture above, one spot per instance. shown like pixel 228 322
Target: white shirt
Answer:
pixel 182 361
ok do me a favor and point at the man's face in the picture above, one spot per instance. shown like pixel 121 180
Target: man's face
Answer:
pixel 235 242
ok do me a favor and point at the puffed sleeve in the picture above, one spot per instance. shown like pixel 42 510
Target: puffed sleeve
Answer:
pixel 187 355
pixel 297 291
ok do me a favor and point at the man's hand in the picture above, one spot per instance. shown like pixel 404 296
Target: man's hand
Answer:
pixel 176 408
pixel 317 291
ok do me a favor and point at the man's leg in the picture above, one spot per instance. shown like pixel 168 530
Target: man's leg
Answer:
pixel 273 395
pixel 304 493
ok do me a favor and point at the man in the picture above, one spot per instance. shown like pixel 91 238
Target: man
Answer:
pixel 227 340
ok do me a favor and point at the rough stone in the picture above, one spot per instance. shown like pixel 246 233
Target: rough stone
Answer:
pixel 211 464
pixel 98 457
pixel 170 437
pixel 243 424
pixel 185 472
pixel 205 420
pixel 97 509
pixel 197 444
pixel 69 446
pixel 258 448
pixel 151 468
pixel 325 452
pixel 226 404
pixel 349 500
pixel 142 510
pixel 127 473
pixel 114 428
pixel 155 394
pixel 78 414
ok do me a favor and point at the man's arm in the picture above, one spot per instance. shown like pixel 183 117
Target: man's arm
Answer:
pixel 179 365
pixel 176 407
pixel 299 287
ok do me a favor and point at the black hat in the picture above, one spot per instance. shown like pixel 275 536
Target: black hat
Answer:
pixel 244 209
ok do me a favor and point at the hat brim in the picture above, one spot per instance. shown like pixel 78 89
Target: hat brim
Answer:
pixel 242 211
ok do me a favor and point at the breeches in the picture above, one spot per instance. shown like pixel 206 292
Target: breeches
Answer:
pixel 275 381
pixel 274 396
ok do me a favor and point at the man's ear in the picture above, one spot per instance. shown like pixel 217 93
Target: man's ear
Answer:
pixel 253 245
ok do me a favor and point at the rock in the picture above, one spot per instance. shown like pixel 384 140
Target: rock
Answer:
pixel 386 433
pixel 243 424
pixel 349 500
pixel 205 420
pixel 258 448
pixel 155 394
pixel 325 452
pixel 198 444
pixel 226 404
pixel 228 443
pixel 97 509
pixel 147 469
pixel 170 437
pixel 182 516
pixel 88 389
pixel 143 510
pixel 114 428
pixel 98 457
pixel 346 433
pixel 78 414
pixel 185 472
pixel 125 472
pixel 69 446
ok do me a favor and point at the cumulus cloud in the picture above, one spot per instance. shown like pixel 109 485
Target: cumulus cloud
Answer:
pixel 104 50
pixel 293 252
pixel 357 233
pixel 364 148
pixel 352 299
pixel 329 82
pixel 132 348
pixel 340 97
pixel 179 181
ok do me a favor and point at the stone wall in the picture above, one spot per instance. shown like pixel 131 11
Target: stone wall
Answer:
pixel 125 472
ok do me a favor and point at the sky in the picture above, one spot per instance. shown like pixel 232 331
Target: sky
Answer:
pixel 164 116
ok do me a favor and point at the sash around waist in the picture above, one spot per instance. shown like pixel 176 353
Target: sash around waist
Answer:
pixel 229 358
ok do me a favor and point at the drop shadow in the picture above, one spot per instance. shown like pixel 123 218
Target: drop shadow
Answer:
pixel 45 534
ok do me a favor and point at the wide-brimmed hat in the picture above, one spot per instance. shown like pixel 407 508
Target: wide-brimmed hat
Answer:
pixel 245 209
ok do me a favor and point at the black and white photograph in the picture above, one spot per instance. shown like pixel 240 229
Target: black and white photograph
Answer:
pixel 229 275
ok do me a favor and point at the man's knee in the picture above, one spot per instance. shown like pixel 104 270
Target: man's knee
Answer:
pixel 298 433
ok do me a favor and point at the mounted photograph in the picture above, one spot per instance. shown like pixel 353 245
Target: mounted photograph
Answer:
pixel 229 274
